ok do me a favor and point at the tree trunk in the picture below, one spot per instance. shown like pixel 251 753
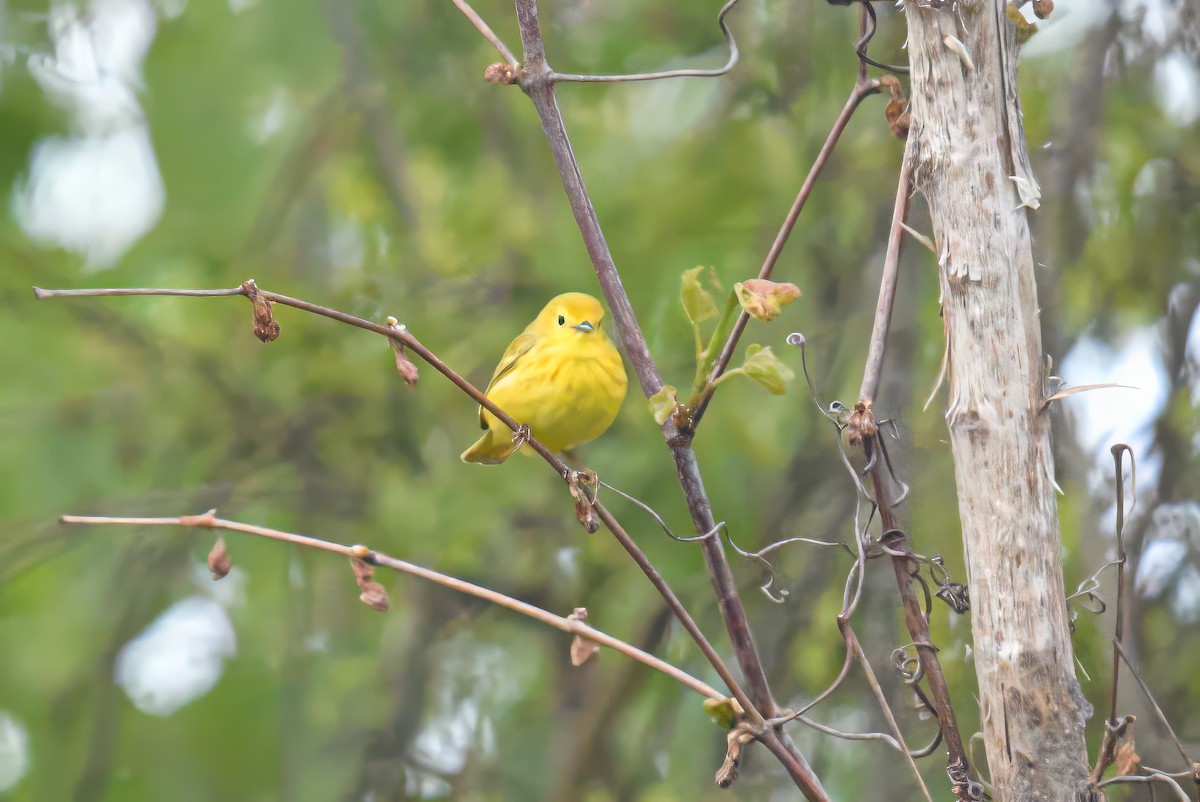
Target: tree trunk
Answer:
pixel 972 167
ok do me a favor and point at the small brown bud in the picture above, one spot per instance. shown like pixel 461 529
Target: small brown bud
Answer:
pixel 1043 8
pixel 896 111
pixel 362 570
pixel 500 73
pixel 738 737
pixel 218 560
pixel 374 596
pixel 404 366
pixel 583 486
pixel 360 551
pixel 582 650
pixel 265 326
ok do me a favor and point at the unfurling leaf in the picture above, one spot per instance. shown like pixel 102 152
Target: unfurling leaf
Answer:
pixel 765 368
pixel 663 403
pixel 722 712
pixel 763 299
pixel 698 302
pixel 218 560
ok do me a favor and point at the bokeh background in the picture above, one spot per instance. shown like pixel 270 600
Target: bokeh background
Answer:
pixel 350 153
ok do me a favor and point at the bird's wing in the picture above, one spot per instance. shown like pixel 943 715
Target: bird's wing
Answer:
pixel 516 349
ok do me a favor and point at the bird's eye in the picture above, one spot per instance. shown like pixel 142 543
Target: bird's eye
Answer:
pixel 561 320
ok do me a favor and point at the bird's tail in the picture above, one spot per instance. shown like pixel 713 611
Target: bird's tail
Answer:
pixel 488 450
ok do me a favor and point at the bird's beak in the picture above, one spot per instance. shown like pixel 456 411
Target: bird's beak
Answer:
pixel 585 327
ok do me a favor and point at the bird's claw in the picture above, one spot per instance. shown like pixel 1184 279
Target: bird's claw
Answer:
pixel 521 436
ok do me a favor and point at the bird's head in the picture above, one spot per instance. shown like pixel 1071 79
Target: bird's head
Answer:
pixel 571 313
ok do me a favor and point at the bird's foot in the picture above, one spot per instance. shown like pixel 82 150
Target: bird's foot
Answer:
pixel 521 436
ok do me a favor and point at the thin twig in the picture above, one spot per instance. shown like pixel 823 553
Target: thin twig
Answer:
pixel 1148 778
pixel 1117 452
pixel 918 629
pixel 561 77
pixel 887 287
pixel 860 92
pixel 1162 718
pixel 852 641
pixel 537 82
pixel 488 33
pixel 402 335
pixel 573 626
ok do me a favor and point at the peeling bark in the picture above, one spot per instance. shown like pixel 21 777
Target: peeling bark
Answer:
pixel 972 166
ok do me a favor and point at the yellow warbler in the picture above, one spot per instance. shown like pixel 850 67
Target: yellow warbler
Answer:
pixel 562 377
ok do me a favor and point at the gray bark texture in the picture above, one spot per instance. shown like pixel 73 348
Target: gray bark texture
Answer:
pixel 971 164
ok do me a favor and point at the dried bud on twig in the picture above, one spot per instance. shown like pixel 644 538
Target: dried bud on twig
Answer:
pixel 582 649
pixel 374 595
pixel 218 560
pixel 861 424
pixel 737 738
pixel 583 486
pixel 500 73
pixel 1043 8
pixel 404 365
pixel 265 326
pixel 896 111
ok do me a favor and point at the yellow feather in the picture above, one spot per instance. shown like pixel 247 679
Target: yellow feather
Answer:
pixel 562 377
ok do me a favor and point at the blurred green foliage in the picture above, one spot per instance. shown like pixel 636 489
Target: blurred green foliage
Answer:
pixel 395 181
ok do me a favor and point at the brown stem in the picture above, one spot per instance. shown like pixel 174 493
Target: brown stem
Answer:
pixel 862 89
pixel 487 32
pixel 918 630
pixel 852 643
pixel 209 520
pixel 689 624
pixel 887 286
pixel 537 82
pixel 409 341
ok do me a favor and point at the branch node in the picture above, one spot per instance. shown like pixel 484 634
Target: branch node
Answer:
pixel 208 519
